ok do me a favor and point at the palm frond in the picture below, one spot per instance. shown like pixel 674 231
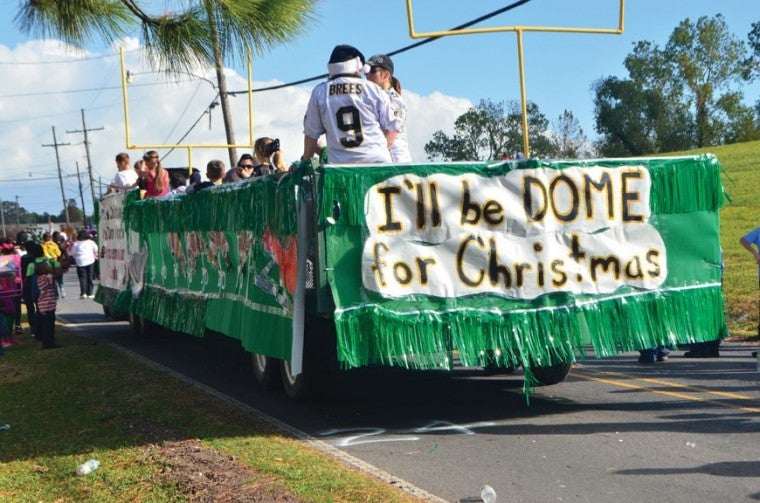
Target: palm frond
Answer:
pixel 178 41
pixel 75 21
pixel 258 25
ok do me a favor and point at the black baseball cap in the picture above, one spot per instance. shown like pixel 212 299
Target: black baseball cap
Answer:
pixel 382 61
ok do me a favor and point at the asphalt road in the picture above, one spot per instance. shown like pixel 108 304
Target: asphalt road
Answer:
pixel 679 431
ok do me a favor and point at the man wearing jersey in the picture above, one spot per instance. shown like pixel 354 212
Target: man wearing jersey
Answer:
pixel 355 115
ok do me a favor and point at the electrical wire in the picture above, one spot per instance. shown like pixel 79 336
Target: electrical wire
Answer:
pixel 397 51
pixel 71 91
pixel 392 53
pixel 66 61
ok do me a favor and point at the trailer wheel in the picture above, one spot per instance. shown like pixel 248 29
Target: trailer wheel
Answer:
pixel 267 371
pixel 320 362
pixel 300 388
pixel 553 374
pixel 142 327
pixel 491 368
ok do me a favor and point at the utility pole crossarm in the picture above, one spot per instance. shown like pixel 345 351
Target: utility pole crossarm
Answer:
pixel 87 150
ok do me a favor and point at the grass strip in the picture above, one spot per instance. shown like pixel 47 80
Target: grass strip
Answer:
pixel 86 400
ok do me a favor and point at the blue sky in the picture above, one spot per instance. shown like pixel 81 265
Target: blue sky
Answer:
pixel 441 79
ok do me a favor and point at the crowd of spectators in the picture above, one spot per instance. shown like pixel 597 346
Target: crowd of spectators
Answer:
pixel 31 270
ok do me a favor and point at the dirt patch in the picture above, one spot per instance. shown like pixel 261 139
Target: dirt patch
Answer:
pixel 200 473
pixel 207 475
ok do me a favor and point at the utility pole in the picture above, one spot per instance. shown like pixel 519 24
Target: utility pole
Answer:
pixel 2 215
pixel 55 145
pixel 87 150
pixel 81 197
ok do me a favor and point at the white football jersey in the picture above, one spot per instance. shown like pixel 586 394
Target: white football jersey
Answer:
pixel 400 147
pixel 352 113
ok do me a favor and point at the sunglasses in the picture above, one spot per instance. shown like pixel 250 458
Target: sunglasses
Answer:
pixel 150 158
pixel 246 166
pixel 375 69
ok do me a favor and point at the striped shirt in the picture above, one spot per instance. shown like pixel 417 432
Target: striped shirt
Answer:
pixel 46 303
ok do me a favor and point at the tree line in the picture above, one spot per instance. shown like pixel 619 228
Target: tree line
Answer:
pixel 685 95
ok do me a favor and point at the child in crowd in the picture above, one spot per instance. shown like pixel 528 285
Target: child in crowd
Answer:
pixel 46 305
pixel 214 173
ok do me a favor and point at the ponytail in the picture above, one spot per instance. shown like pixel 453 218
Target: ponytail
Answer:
pixel 395 84
pixel 158 182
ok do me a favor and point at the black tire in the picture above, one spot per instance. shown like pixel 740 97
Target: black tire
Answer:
pixel 137 326
pixel 491 368
pixel 143 328
pixel 319 363
pixel 267 371
pixel 553 374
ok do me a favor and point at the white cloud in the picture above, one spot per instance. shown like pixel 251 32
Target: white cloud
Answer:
pixel 36 95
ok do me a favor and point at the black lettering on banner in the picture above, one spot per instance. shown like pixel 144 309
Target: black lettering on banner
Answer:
pixel 633 268
pixel 560 277
pixel 611 261
pixel 349 121
pixel 378 264
pixel 435 210
pixel 467 206
pixel 520 267
pixel 651 257
pixel 402 272
pixel 460 261
pixel 572 212
pixel 628 197
pixel 491 211
pixel 539 215
pixel 604 184
pixel 390 225
pixel 495 269
pixel 422 266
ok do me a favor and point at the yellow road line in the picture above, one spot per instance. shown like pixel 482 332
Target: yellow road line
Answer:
pixel 623 384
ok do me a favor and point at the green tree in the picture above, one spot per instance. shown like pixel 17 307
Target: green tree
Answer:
pixel 569 139
pixel 690 83
pixel 206 32
pixel 632 120
pixel 490 131
pixel 75 214
pixel 752 63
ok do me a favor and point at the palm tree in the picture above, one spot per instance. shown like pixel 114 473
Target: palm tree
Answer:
pixel 207 32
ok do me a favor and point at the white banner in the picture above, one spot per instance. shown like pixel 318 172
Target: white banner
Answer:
pixel 113 242
pixel 529 232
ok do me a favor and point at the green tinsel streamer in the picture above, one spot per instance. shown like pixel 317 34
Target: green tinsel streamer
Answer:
pixel 253 205
pixel 118 301
pixel 371 335
pixel 181 312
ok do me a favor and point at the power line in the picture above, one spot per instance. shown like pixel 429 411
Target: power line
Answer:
pixel 397 51
pixel 72 91
pixel 18 180
pixel 65 61
pixel 392 53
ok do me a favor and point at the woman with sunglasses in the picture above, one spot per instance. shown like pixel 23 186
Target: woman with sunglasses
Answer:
pixel 242 171
pixel 381 73
pixel 155 176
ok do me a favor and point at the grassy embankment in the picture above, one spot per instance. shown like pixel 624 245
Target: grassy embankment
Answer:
pixel 85 401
